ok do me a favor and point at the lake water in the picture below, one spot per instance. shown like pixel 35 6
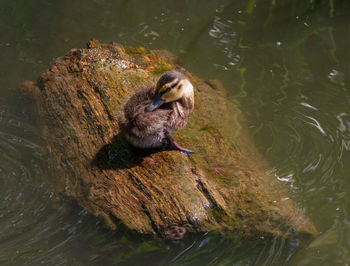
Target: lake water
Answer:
pixel 285 63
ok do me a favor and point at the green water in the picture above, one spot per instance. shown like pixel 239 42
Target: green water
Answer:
pixel 286 63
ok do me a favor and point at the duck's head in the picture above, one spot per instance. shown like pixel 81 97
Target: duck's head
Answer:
pixel 171 86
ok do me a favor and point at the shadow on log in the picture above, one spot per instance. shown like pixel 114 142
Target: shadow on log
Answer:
pixel 119 155
pixel 222 187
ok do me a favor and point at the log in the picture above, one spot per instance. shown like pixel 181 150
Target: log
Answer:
pixel 222 187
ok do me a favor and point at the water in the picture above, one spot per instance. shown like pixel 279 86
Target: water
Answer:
pixel 285 64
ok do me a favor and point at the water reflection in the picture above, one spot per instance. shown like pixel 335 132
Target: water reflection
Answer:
pixel 285 63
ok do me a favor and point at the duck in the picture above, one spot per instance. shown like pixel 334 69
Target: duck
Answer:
pixel 149 117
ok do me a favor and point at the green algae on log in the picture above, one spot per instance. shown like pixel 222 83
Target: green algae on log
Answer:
pixel 222 187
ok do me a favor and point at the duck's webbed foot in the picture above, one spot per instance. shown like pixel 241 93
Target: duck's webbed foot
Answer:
pixel 176 146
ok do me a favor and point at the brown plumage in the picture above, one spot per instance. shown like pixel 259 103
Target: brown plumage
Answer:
pixel 150 116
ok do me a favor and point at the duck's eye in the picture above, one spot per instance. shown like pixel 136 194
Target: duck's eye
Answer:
pixel 169 88
pixel 173 86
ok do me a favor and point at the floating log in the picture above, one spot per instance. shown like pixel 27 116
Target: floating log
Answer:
pixel 222 187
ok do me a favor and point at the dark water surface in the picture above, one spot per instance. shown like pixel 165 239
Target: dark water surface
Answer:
pixel 285 63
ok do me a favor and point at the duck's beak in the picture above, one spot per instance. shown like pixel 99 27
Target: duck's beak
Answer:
pixel 156 102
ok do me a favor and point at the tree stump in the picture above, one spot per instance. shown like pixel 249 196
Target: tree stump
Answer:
pixel 222 187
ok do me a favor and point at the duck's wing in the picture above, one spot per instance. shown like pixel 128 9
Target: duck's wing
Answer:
pixel 151 122
pixel 136 102
pixel 138 119
pixel 180 111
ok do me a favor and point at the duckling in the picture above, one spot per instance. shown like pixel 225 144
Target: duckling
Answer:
pixel 150 116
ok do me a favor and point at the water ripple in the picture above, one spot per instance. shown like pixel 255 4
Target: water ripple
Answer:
pixel 26 209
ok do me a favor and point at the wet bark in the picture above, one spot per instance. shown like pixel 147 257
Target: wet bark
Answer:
pixel 222 187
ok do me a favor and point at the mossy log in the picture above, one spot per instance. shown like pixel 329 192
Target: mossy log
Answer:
pixel 222 187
